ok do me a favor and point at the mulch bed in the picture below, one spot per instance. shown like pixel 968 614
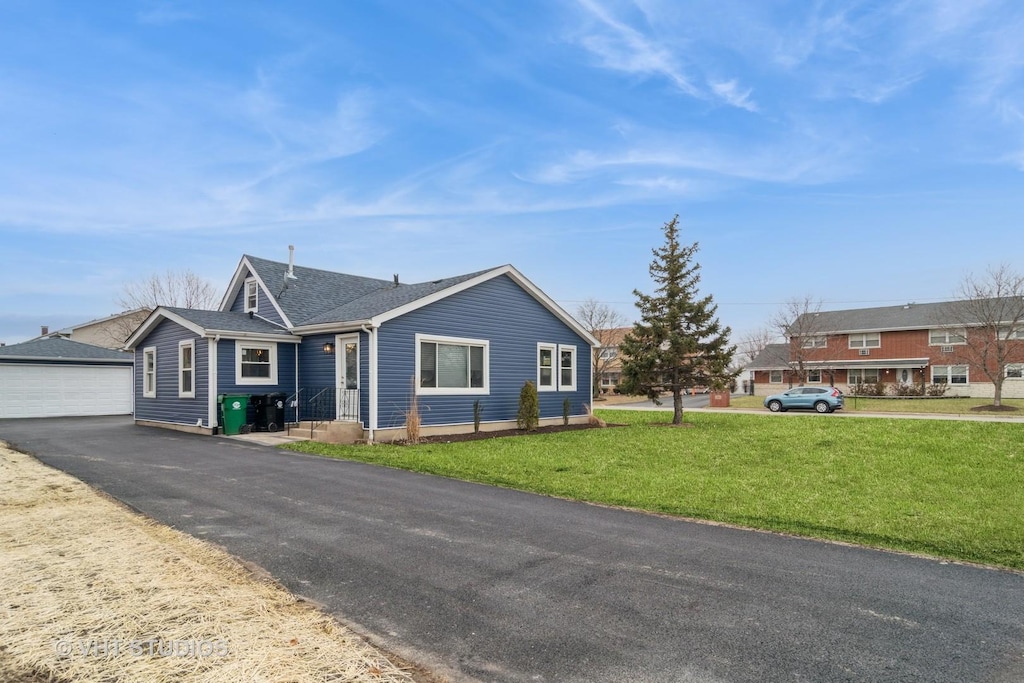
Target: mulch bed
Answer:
pixel 995 409
pixel 477 436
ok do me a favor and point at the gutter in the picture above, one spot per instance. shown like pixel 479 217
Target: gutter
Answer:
pixel 371 333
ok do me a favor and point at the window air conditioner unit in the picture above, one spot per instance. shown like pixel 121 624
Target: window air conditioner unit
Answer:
pixel 946 349
pixel 865 352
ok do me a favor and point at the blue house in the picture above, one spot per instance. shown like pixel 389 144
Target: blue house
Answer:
pixel 355 351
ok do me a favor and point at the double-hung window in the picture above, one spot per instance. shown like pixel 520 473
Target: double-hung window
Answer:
pixel 814 376
pixel 949 374
pixel 775 376
pixel 252 299
pixel 1015 371
pixel 452 365
pixel 862 376
pixel 255 362
pixel 946 337
pixel 186 369
pixel 868 340
pixel 556 367
pixel 149 372
pixel 817 342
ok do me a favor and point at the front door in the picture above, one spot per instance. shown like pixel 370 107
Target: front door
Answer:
pixel 347 372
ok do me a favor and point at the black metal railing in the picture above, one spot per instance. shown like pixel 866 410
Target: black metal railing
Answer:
pixel 320 408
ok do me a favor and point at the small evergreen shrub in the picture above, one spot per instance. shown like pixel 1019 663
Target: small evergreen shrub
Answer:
pixel 476 415
pixel 565 412
pixel 529 407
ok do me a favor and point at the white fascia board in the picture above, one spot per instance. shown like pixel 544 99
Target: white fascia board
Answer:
pixel 62 360
pixel 337 327
pixel 516 276
pixel 154 319
pixel 238 280
pixel 253 336
pixel 868 362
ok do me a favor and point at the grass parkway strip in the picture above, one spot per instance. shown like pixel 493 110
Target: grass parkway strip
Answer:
pixel 948 489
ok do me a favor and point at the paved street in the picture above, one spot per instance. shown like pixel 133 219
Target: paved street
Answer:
pixel 489 584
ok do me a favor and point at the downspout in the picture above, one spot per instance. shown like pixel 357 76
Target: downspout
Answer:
pixel 371 333
pixel 211 391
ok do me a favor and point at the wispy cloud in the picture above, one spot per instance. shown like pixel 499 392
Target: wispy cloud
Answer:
pixel 163 13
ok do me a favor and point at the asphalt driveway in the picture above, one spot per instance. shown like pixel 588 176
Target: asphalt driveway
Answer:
pixel 491 584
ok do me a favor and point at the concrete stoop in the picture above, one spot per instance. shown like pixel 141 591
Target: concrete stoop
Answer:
pixel 330 432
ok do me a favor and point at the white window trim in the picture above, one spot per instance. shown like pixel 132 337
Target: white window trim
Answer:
pixel 960 332
pixel 250 281
pixel 251 381
pixel 863 338
pixel 609 353
pixel 182 345
pixel 817 342
pixel 949 375
pixel 782 377
pixel 146 392
pixel 1011 367
pixel 553 348
pixel 814 381
pixel 572 348
pixel 454 391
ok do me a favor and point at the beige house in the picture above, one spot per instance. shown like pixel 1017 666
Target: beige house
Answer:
pixel 110 332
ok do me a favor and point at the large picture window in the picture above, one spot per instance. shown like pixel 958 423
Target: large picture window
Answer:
pixel 862 376
pixel 186 369
pixel 149 372
pixel 451 365
pixel 255 362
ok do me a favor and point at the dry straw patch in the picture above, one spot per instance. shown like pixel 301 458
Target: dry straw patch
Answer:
pixel 93 592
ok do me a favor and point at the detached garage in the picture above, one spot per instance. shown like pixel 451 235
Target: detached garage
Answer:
pixel 61 378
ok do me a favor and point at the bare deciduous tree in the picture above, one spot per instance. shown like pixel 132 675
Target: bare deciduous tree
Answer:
pixel 991 311
pixel 754 342
pixel 178 289
pixel 798 322
pixel 601 320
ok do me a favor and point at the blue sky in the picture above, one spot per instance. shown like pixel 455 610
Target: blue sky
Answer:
pixel 863 153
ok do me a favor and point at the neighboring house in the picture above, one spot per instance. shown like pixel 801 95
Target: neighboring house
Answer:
pixel 608 360
pixel 57 377
pixel 364 347
pixel 913 344
pixel 110 332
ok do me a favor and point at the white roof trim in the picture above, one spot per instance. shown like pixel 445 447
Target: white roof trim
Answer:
pixel 59 360
pixel 516 276
pixel 239 279
pixel 869 362
pixel 154 319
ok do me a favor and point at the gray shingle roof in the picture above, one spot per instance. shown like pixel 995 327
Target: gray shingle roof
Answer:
pixel 58 348
pixel 228 321
pixel 910 316
pixel 313 292
pixel 772 357
pixel 388 298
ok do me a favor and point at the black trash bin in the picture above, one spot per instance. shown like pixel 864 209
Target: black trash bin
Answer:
pixel 269 412
pixel 258 404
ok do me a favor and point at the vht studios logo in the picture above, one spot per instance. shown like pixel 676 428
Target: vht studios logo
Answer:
pixel 151 647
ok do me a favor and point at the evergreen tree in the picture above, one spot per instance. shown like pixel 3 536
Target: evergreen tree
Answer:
pixel 679 341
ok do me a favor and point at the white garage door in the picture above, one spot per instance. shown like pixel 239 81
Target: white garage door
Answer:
pixel 64 390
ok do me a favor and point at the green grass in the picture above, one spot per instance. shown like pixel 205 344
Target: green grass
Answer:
pixel 954 406
pixel 951 489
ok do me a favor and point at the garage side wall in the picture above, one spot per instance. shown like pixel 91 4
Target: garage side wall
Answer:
pixel 168 406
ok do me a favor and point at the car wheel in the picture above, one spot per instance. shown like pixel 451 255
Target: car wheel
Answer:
pixel 823 407
pixel 775 406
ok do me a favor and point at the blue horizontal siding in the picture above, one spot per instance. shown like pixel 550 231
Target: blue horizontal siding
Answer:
pixel 513 323
pixel 318 370
pixel 264 306
pixel 167 407
pixel 226 372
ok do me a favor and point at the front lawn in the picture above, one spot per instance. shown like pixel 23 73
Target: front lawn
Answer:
pixel 950 489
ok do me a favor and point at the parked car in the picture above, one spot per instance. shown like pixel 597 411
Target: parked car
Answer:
pixel 821 399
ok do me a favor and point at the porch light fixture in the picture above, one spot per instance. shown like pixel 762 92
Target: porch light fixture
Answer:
pixel 329 349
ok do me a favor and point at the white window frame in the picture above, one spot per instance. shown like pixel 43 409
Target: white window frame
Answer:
pixel 816 342
pixel 860 376
pixel 148 386
pixel 946 336
pixel 865 340
pixel 420 339
pixel 553 348
pixel 1017 370
pixel 609 353
pixel 189 344
pixel 572 349
pixel 251 284
pixel 811 374
pixel 771 377
pixel 949 374
pixel 242 344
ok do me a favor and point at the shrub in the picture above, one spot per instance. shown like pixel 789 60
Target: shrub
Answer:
pixel 529 408
pixel 936 389
pixel 476 415
pixel 565 412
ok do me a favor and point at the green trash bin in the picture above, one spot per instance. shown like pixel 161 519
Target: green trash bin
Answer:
pixel 234 407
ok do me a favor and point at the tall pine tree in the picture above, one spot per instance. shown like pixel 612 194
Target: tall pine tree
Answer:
pixel 679 341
